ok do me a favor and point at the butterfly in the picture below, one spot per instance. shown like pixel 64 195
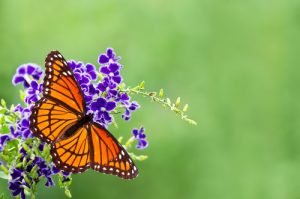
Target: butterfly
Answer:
pixel 59 118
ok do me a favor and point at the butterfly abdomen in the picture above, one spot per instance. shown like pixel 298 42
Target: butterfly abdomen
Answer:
pixel 72 130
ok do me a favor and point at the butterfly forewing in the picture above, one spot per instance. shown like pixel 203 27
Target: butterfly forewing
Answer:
pixel 60 83
pixel 49 119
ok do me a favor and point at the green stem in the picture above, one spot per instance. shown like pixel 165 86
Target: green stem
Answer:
pixel 165 102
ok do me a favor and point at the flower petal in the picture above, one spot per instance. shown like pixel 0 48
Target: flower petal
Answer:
pixel 18 79
pixel 104 70
pixel 103 59
pixel 110 106
pixel 114 67
pixel 117 79
pixel 30 69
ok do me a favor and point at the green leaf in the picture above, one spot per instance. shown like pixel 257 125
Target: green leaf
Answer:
pixel 191 122
pixel 2 111
pixel 3 175
pixel 161 92
pixel 142 85
pixel 141 157
pixel 5 129
pixel 168 101
pixel 3 103
pixel 68 193
pixel 120 139
pixel 185 108
pixel 22 95
pixel 177 102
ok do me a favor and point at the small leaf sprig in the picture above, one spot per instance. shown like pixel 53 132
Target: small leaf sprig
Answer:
pixel 159 98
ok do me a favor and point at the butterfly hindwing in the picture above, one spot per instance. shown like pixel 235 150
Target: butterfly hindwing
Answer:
pixel 60 83
pixel 72 154
pixel 108 156
pixel 49 119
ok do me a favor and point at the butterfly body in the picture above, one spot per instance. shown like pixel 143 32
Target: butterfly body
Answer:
pixel 86 120
pixel 77 142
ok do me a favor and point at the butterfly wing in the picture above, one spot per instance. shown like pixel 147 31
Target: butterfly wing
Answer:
pixel 49 119
pixel 60 84
pixel 72 154
pixel 62 105
pixel 108 156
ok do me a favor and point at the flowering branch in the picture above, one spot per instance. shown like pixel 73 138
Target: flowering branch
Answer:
pixel 25 161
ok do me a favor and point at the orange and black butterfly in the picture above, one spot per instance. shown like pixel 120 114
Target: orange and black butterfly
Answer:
pixel 60 119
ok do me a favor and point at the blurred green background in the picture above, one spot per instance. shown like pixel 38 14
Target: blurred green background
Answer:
pixel 235 62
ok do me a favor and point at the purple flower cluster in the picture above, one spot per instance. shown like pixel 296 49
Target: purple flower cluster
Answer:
pixel 18 182
pixel 101 88
pixel 140 136
pixel 29 75
pixel 103 98
pixel 22 126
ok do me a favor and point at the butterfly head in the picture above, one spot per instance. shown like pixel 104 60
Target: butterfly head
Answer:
pixel 88 118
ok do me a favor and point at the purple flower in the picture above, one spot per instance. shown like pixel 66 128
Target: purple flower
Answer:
pixel 33 92
pixel 101 109
pixel 25 73
pixel 140 136
pixel 83 73
pixel 112 71
pixel 22 126
pixel 109 56
pixel 43 170
pixel 128 106
pixel 17 183
pixel 3 140
pixel 56 171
